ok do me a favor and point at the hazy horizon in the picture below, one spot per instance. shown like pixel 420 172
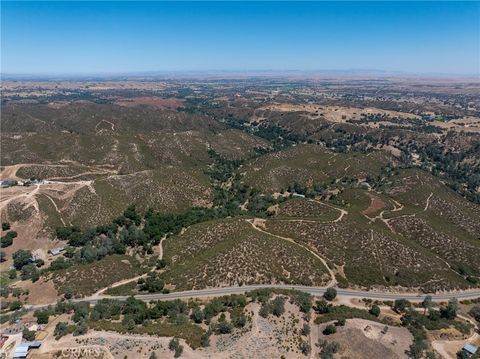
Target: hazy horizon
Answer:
pixel 236 74
pixel 346 71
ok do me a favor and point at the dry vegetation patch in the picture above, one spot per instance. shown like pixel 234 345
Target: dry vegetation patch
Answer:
pixel 309 164
pixel 300 208
pixel 156 102
pixel 86 279
pixel 231 252
pixel 336 113
pixel 365 339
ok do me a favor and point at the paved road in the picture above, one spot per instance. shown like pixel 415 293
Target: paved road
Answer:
pixel 317 291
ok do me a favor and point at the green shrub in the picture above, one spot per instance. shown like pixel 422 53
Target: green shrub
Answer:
pixel 375 310
pixel 330 294
pixel 329 329
pixel 15 305
pixel 42 316
pixel 21 258
pixel 28 335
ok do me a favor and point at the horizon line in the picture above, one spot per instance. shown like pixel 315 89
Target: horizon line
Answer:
pixel 244 72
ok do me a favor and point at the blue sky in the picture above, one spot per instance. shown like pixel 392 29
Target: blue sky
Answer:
pixel 112 37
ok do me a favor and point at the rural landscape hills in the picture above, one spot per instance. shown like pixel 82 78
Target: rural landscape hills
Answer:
pixel 240 179
pixel 150 187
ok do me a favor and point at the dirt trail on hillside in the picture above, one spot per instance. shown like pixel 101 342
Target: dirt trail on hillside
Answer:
pixel 343 212
pixel 259 225
pixel 338 219
pixel 11 171
pixel 427 205
pixel 256 223
pixel 101 292
pixel 397 208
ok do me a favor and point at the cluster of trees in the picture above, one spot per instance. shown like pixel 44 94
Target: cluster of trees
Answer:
pixel 62 329
pixel 7 239
pixel 330 294
pixel 152 284
pixel 136 312
pixel 156 224
pixel 228 191
pixel 342 140
pixel 475 313
pixel 330 329
pixel 276 307
pixel 42 316
pixel 15 305
pixel 457 167
pixel 323 307
pixel 223 304
pixel 258 203
pixel 304 347
pixel 375 310
pixel 417 323
pixel 463 175
pixel 131 229
pixel 174 345
pixel 28 335
pixel 278 136
pixel 315 190
pixel 79 318
pixel 327 348
pixel 237 316
pixel 27 264
pixel 94 244
pixel 302 300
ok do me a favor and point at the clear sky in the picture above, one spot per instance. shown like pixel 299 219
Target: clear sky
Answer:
pixel 113 37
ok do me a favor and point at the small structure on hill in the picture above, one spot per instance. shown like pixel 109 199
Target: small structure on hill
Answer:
pixel 470 349
pixel 8 183
pixel 21 351
pixel 56 251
